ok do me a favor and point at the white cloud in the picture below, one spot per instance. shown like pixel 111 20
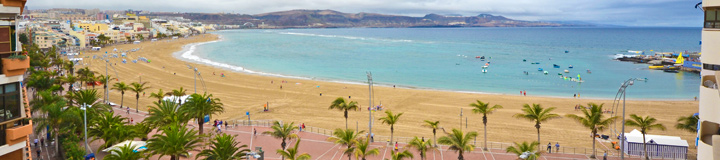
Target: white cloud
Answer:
pixel 620 12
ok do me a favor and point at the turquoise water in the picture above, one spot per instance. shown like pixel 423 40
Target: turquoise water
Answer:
pixel 444 58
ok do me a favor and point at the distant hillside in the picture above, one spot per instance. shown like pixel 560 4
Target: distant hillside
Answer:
pixel 335 19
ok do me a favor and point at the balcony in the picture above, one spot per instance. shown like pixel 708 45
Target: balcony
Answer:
pixel 18 134
pixel 12 6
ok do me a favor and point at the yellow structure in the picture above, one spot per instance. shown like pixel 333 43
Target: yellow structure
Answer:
pixel 80 36
pixel 93 27
pixel 709 125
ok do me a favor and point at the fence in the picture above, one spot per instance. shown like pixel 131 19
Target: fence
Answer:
pixel 265 123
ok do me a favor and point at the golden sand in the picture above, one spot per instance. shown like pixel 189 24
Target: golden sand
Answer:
pixel 299 100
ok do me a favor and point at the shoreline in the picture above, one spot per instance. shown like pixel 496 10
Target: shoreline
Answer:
pixel 186 55
pixel 299 100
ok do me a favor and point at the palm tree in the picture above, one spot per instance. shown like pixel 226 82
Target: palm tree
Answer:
pixel 200 105
pixel 177 93
pixel 90 97
pixel 434 126
pixel 282 132
pixel 292 153
pixel 459 142
pixel 104 79
pixel 112 129
pixel 400 155
pixel 525 148
pixel 688 123
pixel 363 149
pixel 125 152
pixel 538 114
pixel 421 145
pixel 158 95
pixel 347 138
pixel 341 105
pixel 174 141
pixel 122 87
pixel 142 130
pixel 69 79
pixel 646 124
pixel 391 119
pixel 483 108
pixel 594 120
pixel 56 116
pixel 137 88
pixel 224 147
pixel 166 113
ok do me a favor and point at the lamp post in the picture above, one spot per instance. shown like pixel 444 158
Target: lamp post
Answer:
pixel 370 119
pixel 84 108
pixel 194 75
pixel 624 86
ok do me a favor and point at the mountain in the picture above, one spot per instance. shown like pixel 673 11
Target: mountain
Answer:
pixel 335 19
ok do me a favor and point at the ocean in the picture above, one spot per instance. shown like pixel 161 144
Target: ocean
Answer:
pixel 445 58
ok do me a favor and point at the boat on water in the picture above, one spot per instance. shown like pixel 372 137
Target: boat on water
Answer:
pixel 671 70
pixel 535 63
pixel 545 72
pixel 540 69
pixel 484 66
pixel 484 71
pixel 556 66
pixel 570 66
pixel 566 71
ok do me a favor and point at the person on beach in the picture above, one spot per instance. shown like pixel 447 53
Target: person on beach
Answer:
pixel 396 147
pixel 549 148
pixel 557 147
pixel 524 93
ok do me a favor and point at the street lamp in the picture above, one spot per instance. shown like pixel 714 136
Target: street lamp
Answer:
pixel 623 88
pixel 370 136
pixel 84 108
pixel 194 75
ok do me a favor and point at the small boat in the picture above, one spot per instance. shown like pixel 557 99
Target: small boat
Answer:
pixel 566 71
pixel 484 66
pixel 540 69
pixel 556 66
pixel 546 72
pixel 570 66
pixel 481 57
pixel 535 63
pixel 641 79
pixel 566 51
pixel 656 67
pixel 671 70
pixel 524 60
pixel 588 71
pixel 484 71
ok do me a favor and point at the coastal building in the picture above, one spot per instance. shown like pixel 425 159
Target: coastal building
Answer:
pixel 93 27
pixel 709 125
pixel 15 123
pixel 658 147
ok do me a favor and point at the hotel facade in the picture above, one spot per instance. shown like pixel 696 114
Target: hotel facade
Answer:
pixel 709 125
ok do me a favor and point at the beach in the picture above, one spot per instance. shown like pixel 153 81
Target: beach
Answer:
pixel 300 100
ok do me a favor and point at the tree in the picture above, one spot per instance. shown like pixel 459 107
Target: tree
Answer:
pixel 434 126
pixel 200 105
pixel 292 153
pixel 69 79
pixel 483 108
pixel 111 129
pixel 400 155
pixel 56 116
pixel 158 95
pixel 177 93
pixel 23 38
pixel 137 88
pixel 224 147
pixel 341 105
pixel 140 36
pixel 688 123
pixel 594 120
pixel 422 146
pixel 166 113
pixel 174 141
pixel 105 79
pixel 391 119
pixel 85 75
pixel 645 124
pixel 347 138
pixel 122 87
pixel 525 150
pixel 538 114
pixel 363 149
pixel 282 132
pixel 125 152
pixel 459 142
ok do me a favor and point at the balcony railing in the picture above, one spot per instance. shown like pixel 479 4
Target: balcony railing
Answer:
pixel 18 133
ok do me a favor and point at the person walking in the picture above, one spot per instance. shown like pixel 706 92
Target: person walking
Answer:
pixel 38 152
pixel 557 147
pixel 226 124
pixel 42 142
pixel 396 147
pixel 605 156
pixel 549 148
pixel 128 110
pixel 36 143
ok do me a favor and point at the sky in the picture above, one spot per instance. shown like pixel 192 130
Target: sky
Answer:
pixel 659 13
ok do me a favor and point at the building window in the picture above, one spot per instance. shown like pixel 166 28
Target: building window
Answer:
pixel 713 67
pixel 9 101
pixel 711 18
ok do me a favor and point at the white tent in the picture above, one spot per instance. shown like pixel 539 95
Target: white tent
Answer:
pixel 183 99
pixel 657 146
pixel 136 145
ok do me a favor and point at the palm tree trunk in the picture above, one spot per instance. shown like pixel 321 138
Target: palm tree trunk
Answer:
pixel 485 130
pixel 137 102
pixel 122 98
pixel 200 124
pixel 392 131
pixel 593 139
pixel 645 147
pixel 460 155
pixel 283 148
pixel 537 126
pixel 435 138
pixel 346 119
